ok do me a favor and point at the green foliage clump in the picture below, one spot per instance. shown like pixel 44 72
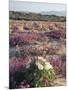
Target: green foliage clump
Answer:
pixel 38 72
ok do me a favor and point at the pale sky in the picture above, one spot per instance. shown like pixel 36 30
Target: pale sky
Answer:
pixel 35 6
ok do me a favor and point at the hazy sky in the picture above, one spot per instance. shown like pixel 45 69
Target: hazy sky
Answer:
pixel 35 6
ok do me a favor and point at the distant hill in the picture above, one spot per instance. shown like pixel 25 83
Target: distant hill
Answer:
pixel 57 13
pixel 36 16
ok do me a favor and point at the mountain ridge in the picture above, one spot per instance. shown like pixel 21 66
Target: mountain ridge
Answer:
pixel 57 13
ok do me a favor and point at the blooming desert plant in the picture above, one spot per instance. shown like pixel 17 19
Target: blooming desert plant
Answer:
pixel 37 73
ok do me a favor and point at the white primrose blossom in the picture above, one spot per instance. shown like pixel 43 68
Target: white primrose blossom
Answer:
pixel 40 66
pixel 41 58
pixel 27 66
pixel 48 66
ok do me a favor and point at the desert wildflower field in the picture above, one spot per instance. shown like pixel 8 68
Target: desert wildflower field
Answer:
pixel 37 50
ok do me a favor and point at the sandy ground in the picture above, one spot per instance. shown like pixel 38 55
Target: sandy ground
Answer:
pixel 59 81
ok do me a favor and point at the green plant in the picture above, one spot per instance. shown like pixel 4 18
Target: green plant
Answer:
pixel 38 72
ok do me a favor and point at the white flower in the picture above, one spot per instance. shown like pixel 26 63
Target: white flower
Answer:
pixel 48 66
pixel 40 67
pixel 27 66
pixel 17 48
pixel 41 58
